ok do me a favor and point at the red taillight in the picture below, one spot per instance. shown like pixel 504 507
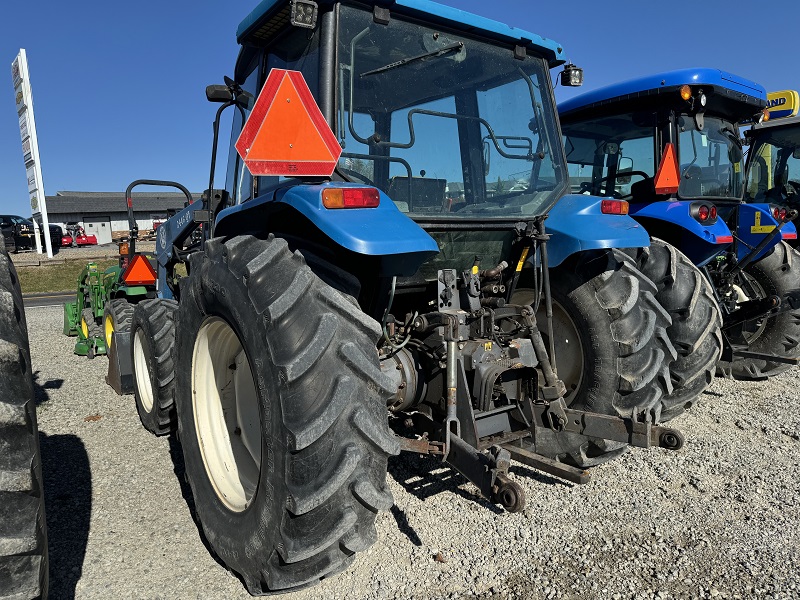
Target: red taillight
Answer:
pixel 779 213
pixel 351 198
pixel 703 213
pixel 713 213
pixel 614 207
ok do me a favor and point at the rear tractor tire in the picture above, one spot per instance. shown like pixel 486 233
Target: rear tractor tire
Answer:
pixel 117 316
pixel 612 348
pixel 696 330
pixel 23 531
pixel 777 274
pixel 281 414
pixel 152 357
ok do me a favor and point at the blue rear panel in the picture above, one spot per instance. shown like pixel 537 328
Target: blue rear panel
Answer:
pixel 383 231
pixel 755 222
pixel 699 242
pixel 577 224
pixel 654 84
pixel 434 13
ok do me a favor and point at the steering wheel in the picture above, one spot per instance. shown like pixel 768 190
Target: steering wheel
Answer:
pixel 356 175
pixel 588 185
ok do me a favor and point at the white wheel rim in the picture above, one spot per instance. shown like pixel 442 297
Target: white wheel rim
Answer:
pixel 142 372
pixel 226 414
pixel 569 350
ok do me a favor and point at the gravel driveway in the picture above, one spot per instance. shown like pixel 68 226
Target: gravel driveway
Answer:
pixel 720 518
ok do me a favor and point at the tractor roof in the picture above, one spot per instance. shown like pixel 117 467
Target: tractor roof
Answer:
pixel 425 10
pixel 777 124
pixel 737 94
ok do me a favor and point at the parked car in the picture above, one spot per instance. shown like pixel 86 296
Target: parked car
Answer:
pixel 18 233
pixel 56 235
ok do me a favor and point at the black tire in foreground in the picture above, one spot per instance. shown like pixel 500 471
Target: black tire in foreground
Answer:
pixel 152 345
pixel 281 414
pixel 777 274
pixel 23 531
pixel 612 348
pixel 117 316
pixel 696 330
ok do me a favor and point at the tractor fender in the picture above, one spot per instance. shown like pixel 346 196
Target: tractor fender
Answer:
pixel 673 222
pixel 754 222
pixel 576 224
pixel 383 231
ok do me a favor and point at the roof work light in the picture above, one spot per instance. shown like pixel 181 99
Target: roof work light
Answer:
pixel 572 76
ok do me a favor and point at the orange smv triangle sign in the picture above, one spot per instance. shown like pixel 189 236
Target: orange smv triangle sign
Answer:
pixel 286 133
pixel 667 179
pixel 139 272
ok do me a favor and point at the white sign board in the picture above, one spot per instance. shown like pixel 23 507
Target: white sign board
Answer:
pixel 30 146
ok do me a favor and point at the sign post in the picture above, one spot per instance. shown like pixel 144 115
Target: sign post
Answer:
pixel 30 147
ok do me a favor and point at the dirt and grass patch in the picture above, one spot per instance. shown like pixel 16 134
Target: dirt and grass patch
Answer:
pixel 56 278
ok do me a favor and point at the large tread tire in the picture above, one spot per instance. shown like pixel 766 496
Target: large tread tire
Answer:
pixel 622 330
pixel 696 330
pixel 152 357
pixel 23 531
pixel 117 317
pixel 323 417
pixel 778 274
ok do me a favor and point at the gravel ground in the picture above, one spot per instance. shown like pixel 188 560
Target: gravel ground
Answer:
pixel 720 518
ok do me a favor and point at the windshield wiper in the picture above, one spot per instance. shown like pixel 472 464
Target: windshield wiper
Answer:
pixel 440 52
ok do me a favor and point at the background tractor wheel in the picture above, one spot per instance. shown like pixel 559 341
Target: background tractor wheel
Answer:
pixel 23 532
pixel 152 345
pixel 777 274
pixel 612 348
pixel 281 413
pixel 696 330
pixel 89 326
pixel 117 316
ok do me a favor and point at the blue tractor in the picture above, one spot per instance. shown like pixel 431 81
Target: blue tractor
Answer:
pixel 669 144
pixel 296 306
pixel 773 163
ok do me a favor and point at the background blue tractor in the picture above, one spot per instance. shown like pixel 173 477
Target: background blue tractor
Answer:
pixel 773 163
pixel 669 143
pixel 415 277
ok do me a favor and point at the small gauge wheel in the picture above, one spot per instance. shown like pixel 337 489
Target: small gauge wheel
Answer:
pixel 672 440
pixel 509 494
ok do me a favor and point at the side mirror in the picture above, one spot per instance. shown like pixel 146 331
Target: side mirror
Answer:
pixel 625 167
pixel 218 93
pixel 246 100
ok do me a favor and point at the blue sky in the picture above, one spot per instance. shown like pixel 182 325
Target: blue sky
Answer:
pixel 119 86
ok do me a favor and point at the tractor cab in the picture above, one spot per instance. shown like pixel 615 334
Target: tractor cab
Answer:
pixel 670 138
pixel 773 168
pixel 450 115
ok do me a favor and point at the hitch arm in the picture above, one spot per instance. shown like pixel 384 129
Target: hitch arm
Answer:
pixel 608 427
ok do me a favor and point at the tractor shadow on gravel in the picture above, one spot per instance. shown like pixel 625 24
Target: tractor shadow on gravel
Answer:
pixel 68 501
pixel 40 390
pixel 426 476
pixel 68 506
pixel 178 467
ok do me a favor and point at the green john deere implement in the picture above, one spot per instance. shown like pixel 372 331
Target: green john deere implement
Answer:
pixel 104 303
